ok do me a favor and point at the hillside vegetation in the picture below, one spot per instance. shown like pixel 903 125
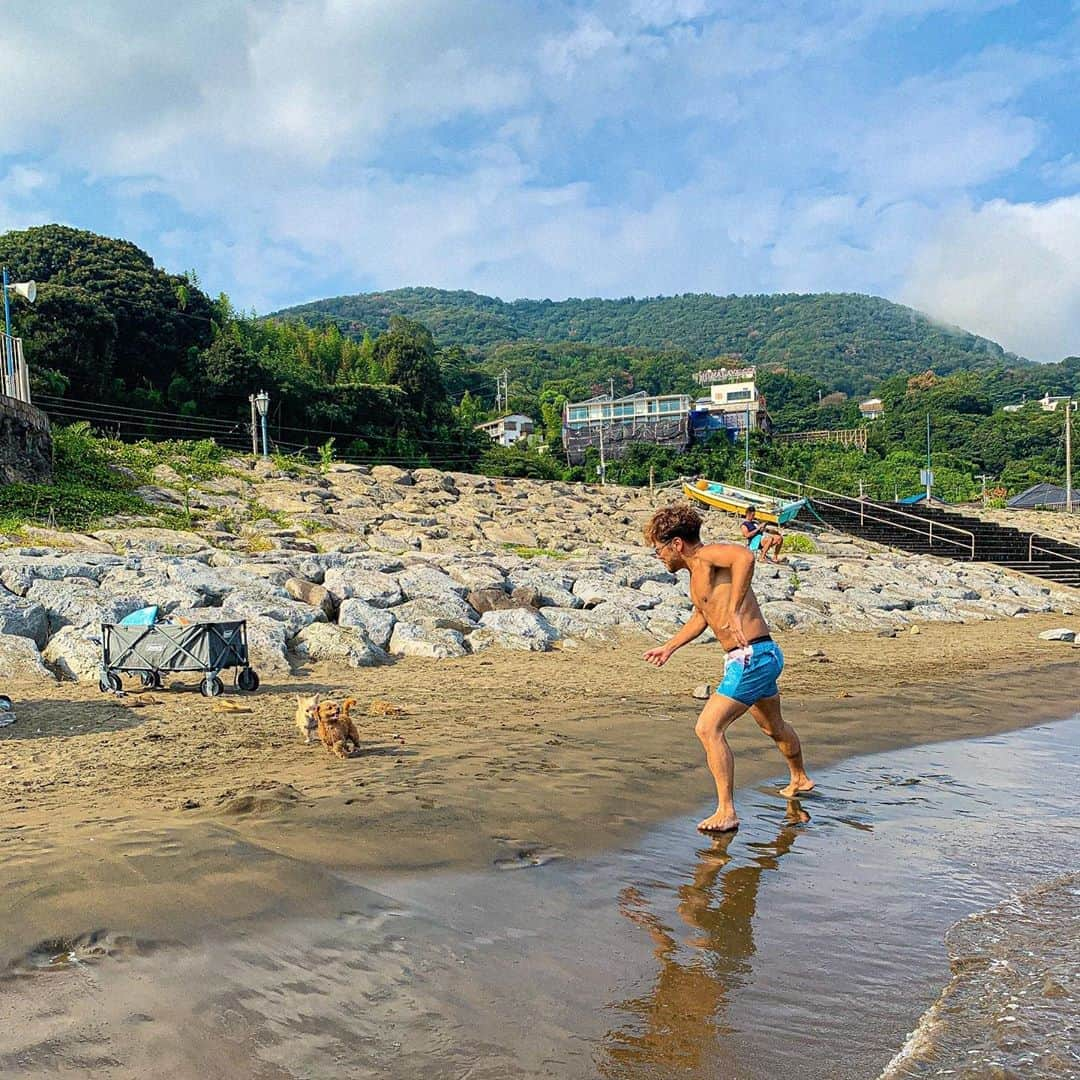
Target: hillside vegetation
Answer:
pixel 846 341
pixel 403 377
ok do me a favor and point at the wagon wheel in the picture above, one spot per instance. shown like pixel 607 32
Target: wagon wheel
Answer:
pixel 212 686
pixel 109 682
pixel 248 679
pixel 151 680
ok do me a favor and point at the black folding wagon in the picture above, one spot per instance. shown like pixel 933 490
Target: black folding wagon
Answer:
pixel 165 648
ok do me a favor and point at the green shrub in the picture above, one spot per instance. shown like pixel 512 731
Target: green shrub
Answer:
pixel 799 544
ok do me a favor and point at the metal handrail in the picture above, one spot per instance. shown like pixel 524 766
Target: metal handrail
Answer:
pixel 1033 547
pixel 928 524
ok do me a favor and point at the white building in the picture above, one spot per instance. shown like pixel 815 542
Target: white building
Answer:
pixel 873 409
pixel 733 395
pixel 636 408
pixel 507 429
pixel 1046 403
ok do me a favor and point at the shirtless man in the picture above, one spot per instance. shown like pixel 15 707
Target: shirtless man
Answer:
pixel 723 601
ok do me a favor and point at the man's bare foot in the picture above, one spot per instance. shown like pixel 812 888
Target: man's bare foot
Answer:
pixel 799 786
pixel 719 823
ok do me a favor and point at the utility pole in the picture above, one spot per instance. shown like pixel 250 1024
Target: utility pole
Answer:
pixel 502 392
pixel 652 480
pixel 747 462
pixel 1069 406
pixel 983 477
pixel 254 428
pixel 929 472
pixel 603 463
pixel 611 388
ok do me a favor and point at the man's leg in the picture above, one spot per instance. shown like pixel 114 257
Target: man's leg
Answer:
pixel 769 718
pixel 715 718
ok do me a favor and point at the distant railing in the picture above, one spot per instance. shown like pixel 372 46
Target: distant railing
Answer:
pixel 843 436
pixel 864 510
pixel 14 378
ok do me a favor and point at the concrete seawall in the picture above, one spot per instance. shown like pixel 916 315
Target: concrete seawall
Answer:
pixel 25 443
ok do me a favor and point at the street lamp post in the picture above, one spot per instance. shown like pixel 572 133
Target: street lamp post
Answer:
pixel 262 403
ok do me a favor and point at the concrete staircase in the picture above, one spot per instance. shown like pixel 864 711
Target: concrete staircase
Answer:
pixel 934 531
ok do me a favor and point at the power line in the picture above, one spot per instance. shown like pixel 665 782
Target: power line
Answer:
pixel 52 402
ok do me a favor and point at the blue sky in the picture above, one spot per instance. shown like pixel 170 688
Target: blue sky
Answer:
pixel 923 150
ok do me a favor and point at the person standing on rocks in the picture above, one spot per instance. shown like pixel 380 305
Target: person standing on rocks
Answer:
pixel 724 602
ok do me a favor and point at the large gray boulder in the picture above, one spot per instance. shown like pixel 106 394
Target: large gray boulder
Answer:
pixel 784 615
pixel 268 648
pixel 554 589
pixel 373 586
pixel 596 624
pixel 23 618
pixel 376 623
pixel 81 603
pixel 425 582
pixel 595 589
pixel 409 639
pixel 338 644
pixel 309 592
pixel 520 629
pixel 292 614
pixel 75 652
pixel 446 612
pixel 20 659
pixel 478 577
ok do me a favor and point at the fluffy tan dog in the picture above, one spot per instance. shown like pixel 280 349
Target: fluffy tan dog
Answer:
pixel 307 715
pixel 336 729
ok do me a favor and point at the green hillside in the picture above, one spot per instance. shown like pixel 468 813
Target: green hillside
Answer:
pixel 846 341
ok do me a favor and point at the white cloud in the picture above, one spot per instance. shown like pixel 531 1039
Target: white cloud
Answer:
pixel 1009 271
pixel 566 148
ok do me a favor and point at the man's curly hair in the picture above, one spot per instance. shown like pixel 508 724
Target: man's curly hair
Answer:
pixel 679 520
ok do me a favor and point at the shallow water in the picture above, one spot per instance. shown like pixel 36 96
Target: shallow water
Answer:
pixel 811 942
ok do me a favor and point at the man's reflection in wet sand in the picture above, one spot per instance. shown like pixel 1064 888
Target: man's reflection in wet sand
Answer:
pixel 675 1027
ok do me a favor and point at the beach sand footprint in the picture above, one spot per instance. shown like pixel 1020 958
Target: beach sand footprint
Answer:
pixel 526 856
pixel 63 953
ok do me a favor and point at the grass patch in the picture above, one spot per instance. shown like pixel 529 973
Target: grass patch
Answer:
pixel 257 512
pixel 535 552
pixel 798 544
pixel 257 545
pixel 201 460
pixel 86 488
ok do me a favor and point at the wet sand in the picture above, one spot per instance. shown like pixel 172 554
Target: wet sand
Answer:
pixel 166 819
pixel 808 944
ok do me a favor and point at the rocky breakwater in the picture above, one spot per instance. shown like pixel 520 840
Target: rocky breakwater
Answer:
pixel 360 608
pixel 357 508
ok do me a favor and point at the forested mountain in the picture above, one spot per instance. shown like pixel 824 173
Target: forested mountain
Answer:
pixel 118 341
pixel 404 376
pixel 846 342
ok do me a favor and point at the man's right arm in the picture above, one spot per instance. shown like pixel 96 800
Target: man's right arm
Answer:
pixel 694 627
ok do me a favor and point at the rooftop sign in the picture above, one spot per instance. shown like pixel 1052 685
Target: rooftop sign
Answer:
pixel 723 375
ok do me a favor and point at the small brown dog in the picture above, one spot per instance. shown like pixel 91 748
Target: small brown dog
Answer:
pixel 336 728
pixel 332 722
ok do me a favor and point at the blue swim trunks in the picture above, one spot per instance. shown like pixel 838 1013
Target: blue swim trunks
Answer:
pixel 750 673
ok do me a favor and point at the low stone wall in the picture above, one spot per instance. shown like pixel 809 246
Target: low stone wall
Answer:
pixel 25 443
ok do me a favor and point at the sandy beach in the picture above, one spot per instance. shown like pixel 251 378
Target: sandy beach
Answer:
pixel 155 811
